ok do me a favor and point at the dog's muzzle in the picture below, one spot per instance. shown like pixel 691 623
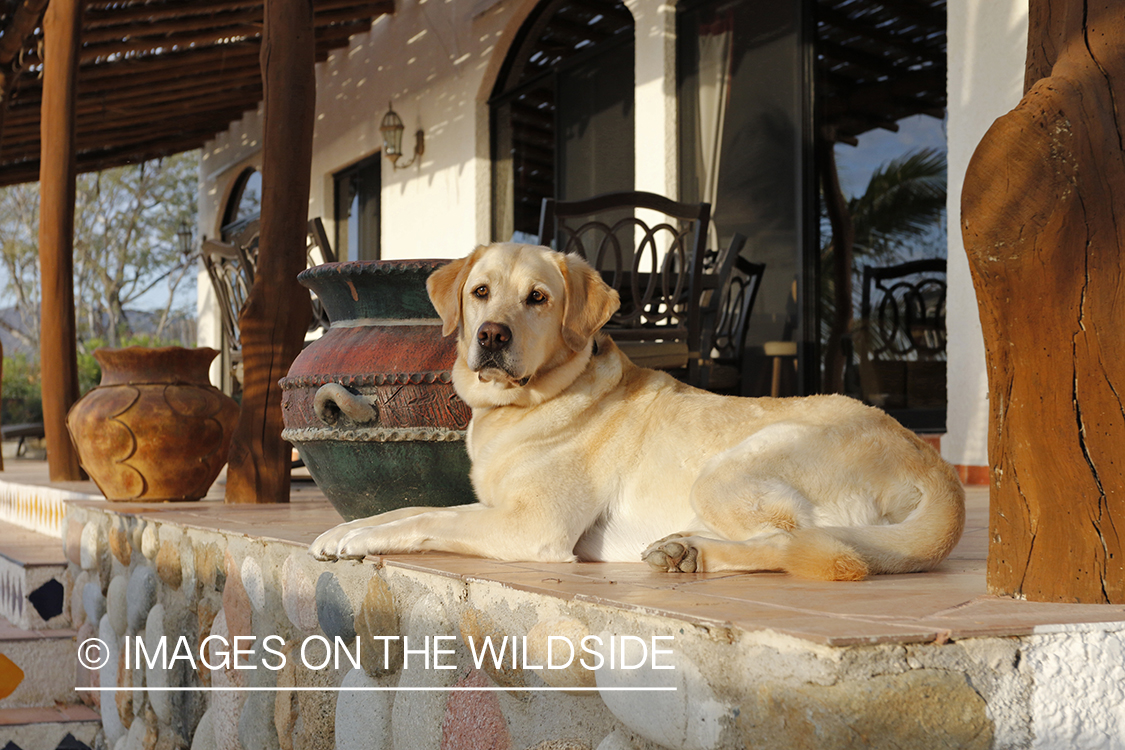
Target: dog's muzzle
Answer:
pixel 494 337
pixel 492 352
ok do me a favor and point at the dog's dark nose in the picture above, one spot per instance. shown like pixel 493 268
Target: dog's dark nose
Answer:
pixel 494 337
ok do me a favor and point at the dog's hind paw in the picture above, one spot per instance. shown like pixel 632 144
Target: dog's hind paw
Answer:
pixel 672 556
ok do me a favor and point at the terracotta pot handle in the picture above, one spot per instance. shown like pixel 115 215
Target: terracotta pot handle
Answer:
pixel 333 399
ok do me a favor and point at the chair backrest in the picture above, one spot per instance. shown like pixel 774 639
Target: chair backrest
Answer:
pixel 654 260
pixel 318 251
pixel 903 309
pixel 745 279
pixel 232 266
pixel 231 270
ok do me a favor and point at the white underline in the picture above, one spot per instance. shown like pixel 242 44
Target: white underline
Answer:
pixel 179 689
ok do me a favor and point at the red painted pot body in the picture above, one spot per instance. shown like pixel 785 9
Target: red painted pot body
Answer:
pixel 154 429
pixel 370 406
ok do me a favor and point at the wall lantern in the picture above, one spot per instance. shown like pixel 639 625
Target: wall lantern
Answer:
pixel 183 239
pixel 392 128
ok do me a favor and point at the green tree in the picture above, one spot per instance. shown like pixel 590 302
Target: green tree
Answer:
pixel 19 243
pixel 125 244
pixel 126 253
pixel 126 258
pixel 898 217
pixel 903 202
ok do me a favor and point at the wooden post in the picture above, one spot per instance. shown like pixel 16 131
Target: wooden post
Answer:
pixel 62 25
pixel 1043 218
pixel 276 316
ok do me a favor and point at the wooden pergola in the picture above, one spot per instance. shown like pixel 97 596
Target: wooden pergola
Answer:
pixel 154 77
pixel 91 85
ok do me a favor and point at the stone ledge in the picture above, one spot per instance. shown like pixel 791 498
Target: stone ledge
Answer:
pixel 759 660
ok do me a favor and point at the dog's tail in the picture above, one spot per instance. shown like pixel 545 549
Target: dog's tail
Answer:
pixel 849 553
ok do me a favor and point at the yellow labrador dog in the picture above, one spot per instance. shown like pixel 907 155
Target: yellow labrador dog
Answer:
pixel 578 454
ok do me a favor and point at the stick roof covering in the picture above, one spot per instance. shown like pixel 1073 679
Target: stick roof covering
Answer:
pixel 156 77
pixel 879 61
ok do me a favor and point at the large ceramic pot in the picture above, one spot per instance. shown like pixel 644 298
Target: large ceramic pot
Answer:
pixel 154 429
pixel 370 405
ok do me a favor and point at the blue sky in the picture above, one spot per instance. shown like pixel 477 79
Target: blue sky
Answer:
pixel 856 163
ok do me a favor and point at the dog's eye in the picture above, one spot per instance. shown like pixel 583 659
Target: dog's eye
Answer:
pixel 481 292
pixel 536 297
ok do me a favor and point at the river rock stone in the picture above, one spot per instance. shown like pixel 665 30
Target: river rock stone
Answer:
pixel 334 609
pixel 363 718
pixel 377 620
pixel 298 595
pixel 116 605
pixel 168 565
pixel 920 708
pixel 93 602
pixel 140 596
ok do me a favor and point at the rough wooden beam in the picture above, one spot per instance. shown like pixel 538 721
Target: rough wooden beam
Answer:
pixel 97 160
pixel 152 28
pixel 62 27
pixel 27 16
pixel 168 118
pixel 1043 218
pixel 274 320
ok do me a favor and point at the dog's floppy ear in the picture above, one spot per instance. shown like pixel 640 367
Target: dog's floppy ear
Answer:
pixel 444 286
pixel 590 302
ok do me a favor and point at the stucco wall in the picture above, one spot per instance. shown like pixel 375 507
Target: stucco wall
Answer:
pixel 987 47
pixel 436 62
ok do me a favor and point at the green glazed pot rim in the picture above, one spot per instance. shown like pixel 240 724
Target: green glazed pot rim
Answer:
pixel 372 267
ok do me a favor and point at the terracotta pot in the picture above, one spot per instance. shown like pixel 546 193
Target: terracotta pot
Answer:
pixel 154 429
pixel 370 405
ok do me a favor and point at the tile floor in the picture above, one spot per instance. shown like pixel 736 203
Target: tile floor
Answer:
pixel 947 603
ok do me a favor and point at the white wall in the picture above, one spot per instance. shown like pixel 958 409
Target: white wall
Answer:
pixel 436 62
pixel 987 49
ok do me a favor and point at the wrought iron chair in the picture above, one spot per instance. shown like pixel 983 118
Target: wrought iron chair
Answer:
pixel 231 267
pixel 728 340
pixel 651 250
pixel 899 341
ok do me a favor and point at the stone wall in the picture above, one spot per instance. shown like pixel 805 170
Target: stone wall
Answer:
pixel 136 578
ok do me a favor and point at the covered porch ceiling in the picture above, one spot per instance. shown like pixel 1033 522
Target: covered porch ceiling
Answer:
pixel 879 61
pixel 156 77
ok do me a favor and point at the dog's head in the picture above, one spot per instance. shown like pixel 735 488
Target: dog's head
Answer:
pixel 521 313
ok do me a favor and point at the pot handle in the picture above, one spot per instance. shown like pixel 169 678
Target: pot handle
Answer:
pixel 333 399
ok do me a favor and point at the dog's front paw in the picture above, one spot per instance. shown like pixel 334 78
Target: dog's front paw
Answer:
pixel 672 554
pixel 326 547
pixel 360 543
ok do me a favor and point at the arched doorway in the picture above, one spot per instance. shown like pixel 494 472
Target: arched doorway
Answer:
pixel 562 112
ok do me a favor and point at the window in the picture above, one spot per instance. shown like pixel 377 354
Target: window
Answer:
pixel 797 120
pixel 358 210
pixel 881 164
pixel 244 204
pixel 562 112
pixel 743 129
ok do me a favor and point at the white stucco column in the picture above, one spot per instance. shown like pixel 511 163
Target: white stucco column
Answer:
pixel 655 102
pixel 987 49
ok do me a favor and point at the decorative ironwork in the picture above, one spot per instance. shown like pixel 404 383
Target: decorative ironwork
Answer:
pixel 648 266
pixel 904 309
pixel 734 309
